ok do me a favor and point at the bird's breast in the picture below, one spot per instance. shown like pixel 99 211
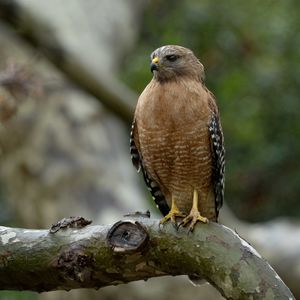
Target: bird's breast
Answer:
pixel 174 139
pixel 173 105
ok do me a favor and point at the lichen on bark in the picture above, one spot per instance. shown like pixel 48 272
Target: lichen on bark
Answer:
pixel 98 256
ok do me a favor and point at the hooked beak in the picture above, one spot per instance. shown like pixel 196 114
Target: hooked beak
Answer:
pixel 154 64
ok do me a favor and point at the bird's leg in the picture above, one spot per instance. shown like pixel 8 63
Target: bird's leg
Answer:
pixel 194 215
pixel 173 213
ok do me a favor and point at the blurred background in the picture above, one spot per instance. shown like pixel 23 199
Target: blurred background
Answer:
pixel 70 75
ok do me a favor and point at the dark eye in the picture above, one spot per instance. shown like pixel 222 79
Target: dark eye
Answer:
pixel 172 57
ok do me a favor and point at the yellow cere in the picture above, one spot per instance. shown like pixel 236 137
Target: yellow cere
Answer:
pixel 155 60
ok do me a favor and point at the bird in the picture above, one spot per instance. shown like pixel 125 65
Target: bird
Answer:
pixel 177 141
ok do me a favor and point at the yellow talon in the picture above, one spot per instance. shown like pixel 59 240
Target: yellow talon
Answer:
pixel 194 215
pixel 173 213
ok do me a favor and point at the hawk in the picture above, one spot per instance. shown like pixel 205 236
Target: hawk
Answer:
pixel 177 140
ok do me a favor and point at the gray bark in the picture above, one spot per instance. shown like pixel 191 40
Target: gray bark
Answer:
pixel 278 240
pixel 98 256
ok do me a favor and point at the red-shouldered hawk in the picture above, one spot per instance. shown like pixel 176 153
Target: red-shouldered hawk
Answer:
pixel 177 139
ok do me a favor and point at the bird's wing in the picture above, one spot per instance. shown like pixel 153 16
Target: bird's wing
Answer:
pixel 137 161
pixel 218 157
pixel 134 152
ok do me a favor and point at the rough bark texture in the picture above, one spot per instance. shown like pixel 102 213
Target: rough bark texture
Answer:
pixel 98 256
pixel 278 240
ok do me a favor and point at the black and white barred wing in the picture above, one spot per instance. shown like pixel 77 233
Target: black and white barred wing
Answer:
pixel 134 152
pixel 218 160
pixel 137 161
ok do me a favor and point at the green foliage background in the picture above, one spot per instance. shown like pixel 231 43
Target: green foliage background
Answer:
pixel 251 52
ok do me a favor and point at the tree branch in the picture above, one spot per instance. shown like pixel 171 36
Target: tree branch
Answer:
pixel 98 256
pixel 112 94
pixel 278 240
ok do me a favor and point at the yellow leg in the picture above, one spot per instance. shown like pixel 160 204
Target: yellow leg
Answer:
pixel 194 215
pixel 173 213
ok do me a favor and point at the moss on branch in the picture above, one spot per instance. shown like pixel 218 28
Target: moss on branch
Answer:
pixel 98 256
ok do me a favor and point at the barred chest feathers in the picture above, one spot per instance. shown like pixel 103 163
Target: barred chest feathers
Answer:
pixel 175 143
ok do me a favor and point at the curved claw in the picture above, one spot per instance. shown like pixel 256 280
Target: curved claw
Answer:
pixel 193 218
pixel 172 216
pixel 173 213
pixel 194 215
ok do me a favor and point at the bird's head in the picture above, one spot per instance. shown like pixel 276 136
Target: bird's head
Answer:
pixel 169 62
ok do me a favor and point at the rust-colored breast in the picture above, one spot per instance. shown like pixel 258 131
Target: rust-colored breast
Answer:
pixel 172 121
